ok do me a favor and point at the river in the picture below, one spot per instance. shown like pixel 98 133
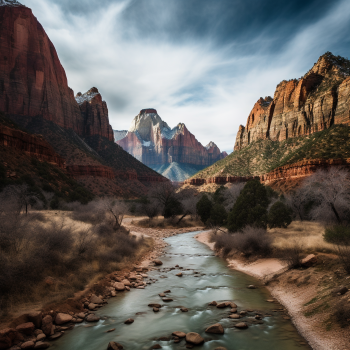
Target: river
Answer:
pixel 215 281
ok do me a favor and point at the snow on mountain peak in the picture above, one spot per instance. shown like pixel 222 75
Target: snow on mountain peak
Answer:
pixel 13 3
pixel 88 96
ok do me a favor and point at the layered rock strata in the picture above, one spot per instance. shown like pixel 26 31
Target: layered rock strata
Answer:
pixel 32 145
pixel 220 180
pixel 153 142
pixel 302 169
pixel 302 106
pixel 91 170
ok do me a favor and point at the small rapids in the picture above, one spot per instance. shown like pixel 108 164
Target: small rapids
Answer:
pixel 205 278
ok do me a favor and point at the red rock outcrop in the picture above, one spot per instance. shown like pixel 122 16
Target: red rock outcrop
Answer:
pixel 95 114
pixel 302 169
pixel 301 107
pixel 32 79
pixel 221 180
pixel 153 142
pixel 33 145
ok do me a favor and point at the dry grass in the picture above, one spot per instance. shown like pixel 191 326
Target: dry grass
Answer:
pixel 309 236
pixel 61 256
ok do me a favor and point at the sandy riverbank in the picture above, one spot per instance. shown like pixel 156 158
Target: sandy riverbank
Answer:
pixel 288 288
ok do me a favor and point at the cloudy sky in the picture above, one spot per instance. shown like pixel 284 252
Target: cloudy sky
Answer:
pixel 201 62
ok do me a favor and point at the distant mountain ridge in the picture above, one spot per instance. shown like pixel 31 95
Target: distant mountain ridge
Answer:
pixel 151 141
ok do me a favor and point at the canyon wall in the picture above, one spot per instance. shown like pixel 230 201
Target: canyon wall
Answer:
pixel 302 106
pixel 32 79
pixel 32 145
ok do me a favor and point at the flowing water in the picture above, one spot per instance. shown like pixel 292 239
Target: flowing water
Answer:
pixel 215 282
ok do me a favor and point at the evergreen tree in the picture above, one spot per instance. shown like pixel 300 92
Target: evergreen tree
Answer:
pixel 279 215
pixel 204 207
pixel 250 207
pixel 218 215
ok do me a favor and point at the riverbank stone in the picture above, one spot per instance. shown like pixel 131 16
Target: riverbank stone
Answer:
pixel 35 317
pixel 216 328
pixel 92 318
pixel 26 328
pixel 62 318
pixel 95 299
pixel 42 345
pixel 46 326
pixel 158 262
pixel 28 345
pixel 194 338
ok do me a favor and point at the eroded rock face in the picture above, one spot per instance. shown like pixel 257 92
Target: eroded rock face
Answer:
pixel 95 114
pixel 32 79
pixel 153 142
pixel 302 106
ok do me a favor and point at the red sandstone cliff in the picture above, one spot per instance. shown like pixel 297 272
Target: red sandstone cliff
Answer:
pixel 301 107
pixel 153 142
pixel 32 79
pixel 32 145
pixel 95 114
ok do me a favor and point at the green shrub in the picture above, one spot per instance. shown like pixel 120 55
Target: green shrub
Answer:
pixel 250 207
pixel 337 234
pixel 204 207
pixel 172 208
pixel 218 215
pixel 279 215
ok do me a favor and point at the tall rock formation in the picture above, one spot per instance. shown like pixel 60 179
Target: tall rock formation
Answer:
pixel 150 140
pixel 95 114
pixel 32 79
pixel 302 106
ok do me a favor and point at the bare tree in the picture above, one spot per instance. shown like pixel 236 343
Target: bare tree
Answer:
pixel 150 208
pixel 297 201
pixel 22 195
pixel 331 192
pixel 231 195
pixel 116 209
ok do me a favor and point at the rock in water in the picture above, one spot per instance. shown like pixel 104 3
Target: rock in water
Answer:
pixel 129 321
pixel 194 338
pixel 241 325
pixel 216 328
pixel 114 346
pixel 179 334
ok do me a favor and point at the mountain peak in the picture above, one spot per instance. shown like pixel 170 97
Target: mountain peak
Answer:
pixel 329 62
pixel 87 96
pixel 12 3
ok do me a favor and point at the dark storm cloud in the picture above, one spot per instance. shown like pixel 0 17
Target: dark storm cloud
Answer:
pixel 202 62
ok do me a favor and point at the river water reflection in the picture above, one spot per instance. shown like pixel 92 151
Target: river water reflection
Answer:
pixel 215 282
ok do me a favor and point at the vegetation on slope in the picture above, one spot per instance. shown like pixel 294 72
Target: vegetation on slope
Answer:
pixel 263 156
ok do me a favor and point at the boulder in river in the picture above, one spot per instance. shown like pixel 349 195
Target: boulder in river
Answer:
pixel 179 334
pixel 92 318
pixel 234 316
pixel 114 346
pixel 213 303
pixel 158 306
pixel 158 262
pixel 167 299
pixel 194 338
pixel 241 325
pixel 179 274
pixel 221 305
pixel 216 328
pixel 119 286
pixel 129 321
pixel 184 309
pixel 251 286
